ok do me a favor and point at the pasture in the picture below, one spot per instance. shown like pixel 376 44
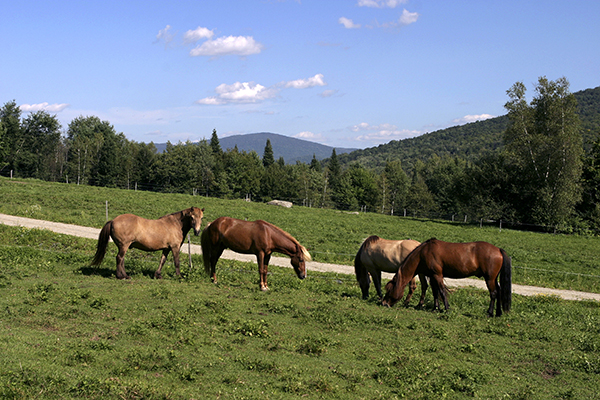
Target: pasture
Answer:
pixel 68 330
pixel 554 261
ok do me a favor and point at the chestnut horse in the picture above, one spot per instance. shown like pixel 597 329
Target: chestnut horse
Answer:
pixel 438 259
pixel 376 255
pixel 166 233
pixel 251 237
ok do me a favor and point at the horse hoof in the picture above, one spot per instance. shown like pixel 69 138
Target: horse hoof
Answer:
pixel 264 288
pixel 157 276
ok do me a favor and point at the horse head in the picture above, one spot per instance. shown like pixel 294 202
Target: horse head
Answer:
pixel 299 261
pixel 196 215
pixel 393 291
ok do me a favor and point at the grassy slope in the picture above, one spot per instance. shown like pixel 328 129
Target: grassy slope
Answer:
pixel 557 261
pixel 68 331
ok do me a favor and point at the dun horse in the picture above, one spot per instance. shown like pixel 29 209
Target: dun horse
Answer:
pixel 438 259
pixel 251 237
pixel 166 233
pixel 376 255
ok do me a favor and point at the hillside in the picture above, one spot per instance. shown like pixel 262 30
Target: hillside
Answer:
pixel 467 141
pixel 291 149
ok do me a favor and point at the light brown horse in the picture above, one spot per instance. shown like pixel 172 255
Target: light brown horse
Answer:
pixel 166 233
pixel 251 237
pixel 376 255
pixel 438 259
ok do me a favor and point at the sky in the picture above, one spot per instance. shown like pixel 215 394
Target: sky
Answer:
pixel 344 73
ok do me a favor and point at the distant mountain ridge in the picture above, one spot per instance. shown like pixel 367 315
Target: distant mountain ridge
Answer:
pixel 291 149
pixel 467 141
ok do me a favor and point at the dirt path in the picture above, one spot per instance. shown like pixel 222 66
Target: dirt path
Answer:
pixel 92 233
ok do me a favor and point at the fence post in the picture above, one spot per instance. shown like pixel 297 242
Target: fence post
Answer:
pixel 190 250
pixel 106 210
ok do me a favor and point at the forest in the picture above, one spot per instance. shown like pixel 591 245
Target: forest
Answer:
pixel 536 166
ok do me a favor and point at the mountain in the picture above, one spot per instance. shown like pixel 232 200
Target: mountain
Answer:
pixel 291 149
pixel 467 141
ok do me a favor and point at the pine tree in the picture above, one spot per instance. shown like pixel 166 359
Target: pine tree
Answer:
pixel 268 158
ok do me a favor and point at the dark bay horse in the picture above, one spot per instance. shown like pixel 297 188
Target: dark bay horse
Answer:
pixel 438 259
pixel 376 255
pixel 166 233
pixel 251 237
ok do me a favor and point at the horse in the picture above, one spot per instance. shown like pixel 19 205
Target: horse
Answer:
pixel 166 233
pixel 376 255
pixel 251 237
pixel 438 259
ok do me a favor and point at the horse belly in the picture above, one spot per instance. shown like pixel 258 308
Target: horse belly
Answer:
pixel 379 262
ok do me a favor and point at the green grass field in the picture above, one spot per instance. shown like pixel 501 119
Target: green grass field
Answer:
pixel 554 261
pixel 71 331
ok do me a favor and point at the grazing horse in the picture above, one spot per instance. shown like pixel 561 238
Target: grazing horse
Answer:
pixel 376 255
pixel 251 237
pixel 438 259
pixel 166 233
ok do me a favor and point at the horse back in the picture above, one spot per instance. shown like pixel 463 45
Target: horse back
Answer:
pixel 386 255
pixel 146 234
pixel 459 260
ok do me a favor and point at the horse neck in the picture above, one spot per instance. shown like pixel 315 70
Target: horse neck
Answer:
pixel 283 244
pixel 186 223
pixel 184 220
pixel 408 268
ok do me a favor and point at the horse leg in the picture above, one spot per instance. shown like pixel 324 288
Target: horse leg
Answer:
pixel 121 274
pixel 376 275
pixel 411 289
pixel 176 261
pixel 163 258
pixel 423 280
pixel 214 257
pixel 442 289
pixel 262 270
pixel 436 291
pixel 494 290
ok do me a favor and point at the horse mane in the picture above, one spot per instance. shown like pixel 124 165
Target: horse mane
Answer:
pixel 303 249
pixel 369 240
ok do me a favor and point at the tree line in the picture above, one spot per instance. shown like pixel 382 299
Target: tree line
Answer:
pixel 541 175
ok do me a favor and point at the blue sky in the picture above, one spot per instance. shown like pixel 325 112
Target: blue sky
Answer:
pixel 353 73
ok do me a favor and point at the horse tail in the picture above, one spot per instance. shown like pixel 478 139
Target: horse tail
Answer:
pixel 506 281
pixel 362 275
pixel 102 244
pixel 205 242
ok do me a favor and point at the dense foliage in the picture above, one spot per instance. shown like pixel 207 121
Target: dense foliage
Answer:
pixel 468 171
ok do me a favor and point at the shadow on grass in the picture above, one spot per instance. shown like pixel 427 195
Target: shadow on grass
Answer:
pixel 110 272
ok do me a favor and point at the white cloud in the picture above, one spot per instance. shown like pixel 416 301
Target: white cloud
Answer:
pixel 472 118
pixel 239 92
pixel 408 18
pixel 192 36
pixel 251 92
pixel 348 23
pixel 380 3
pixel 51 108
pixel 316 80
pixel 382 133
pixel 165 35
pixel 328 93
pixel 228 45
pixel 315 137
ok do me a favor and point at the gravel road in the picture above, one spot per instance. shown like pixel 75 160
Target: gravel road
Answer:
pixel 92 233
